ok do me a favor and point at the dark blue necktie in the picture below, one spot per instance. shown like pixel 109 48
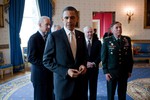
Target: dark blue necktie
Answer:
pixel 89 47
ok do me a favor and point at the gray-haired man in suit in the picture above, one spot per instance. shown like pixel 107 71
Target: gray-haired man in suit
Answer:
pixel 41 77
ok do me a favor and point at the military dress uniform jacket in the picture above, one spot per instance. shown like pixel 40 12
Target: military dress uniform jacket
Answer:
pixel 117 57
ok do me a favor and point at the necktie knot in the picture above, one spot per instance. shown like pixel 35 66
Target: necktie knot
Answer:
pixel 44 37
pixel 89 41
pixel 71 36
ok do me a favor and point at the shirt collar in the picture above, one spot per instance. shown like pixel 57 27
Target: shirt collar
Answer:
pixel 88 40
pixel 41 33
pixel 68 31
pixel 117 37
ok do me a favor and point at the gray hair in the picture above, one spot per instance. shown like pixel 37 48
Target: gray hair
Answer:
pixel 55 28
pixel 86 27
pixel 42 18
pixel 114 24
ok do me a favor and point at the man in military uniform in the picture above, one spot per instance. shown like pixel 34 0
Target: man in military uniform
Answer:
pixel 117 61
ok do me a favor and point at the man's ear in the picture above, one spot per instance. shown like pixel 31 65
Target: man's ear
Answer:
pixel 77 18
pixel 62 19
pixel 40 25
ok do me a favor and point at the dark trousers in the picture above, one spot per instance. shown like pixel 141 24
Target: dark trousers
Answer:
pixel 91 83
pixel 43 92
pixel 121 84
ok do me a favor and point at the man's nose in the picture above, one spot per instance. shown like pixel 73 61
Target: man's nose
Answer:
pixel 49 26
pixel 69 19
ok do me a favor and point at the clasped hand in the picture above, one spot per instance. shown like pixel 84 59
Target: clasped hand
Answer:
pixel 75 73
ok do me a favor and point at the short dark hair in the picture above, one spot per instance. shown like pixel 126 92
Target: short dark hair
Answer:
pixel 70 8
pixel 114 24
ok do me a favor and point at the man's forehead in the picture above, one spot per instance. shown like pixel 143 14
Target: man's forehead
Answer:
pixel 69 13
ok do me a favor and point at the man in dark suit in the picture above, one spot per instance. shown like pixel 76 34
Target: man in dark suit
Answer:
pixel 117 61
pixel 65 55
pixel 41 77
pixel 93 60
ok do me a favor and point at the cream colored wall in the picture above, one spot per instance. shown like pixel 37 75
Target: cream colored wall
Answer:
pixel 135 29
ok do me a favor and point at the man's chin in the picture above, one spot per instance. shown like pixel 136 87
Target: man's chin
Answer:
pixel 70 28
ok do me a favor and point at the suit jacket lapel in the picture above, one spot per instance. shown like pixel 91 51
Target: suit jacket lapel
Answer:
pixel 92 45
pixel 40 37
pixel 77 43
pixel 64 36
pixel 114 41
pixel 122 43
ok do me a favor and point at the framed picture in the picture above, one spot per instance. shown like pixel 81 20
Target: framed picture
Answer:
pixel 147 14
pixel 141 49
pixel 1 16
pixel 78 23
pixel 24 50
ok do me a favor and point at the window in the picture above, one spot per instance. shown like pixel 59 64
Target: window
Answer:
pixel 30 21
